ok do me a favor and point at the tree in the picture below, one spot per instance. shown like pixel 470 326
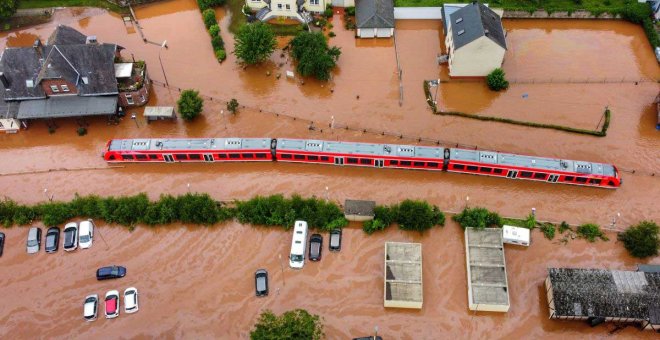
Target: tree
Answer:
pixel 190 104
pixel 496 80
pixel 206 4
pixel 641 240
pixel 314 56
pixel 418 215
pixel 479 218
pixel 209 18
pixel 295 324
pixel 8 8
pixel 254 43
pixel 232 105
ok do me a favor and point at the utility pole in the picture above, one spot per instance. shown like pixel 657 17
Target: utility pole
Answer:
pixel 161 62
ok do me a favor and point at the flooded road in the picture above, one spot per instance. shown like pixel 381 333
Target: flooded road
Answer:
pixel 192 263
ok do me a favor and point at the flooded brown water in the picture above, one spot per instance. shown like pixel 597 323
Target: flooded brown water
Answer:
pixel 368 69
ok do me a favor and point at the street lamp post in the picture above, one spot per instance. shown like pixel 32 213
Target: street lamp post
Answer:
pixel 49 198
pixel 614 219
pixel 161 62
pixel 134 118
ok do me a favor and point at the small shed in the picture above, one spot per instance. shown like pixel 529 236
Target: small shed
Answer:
pixel 159 113
pixel 358 210
pixel 515 235
pixel 403 286
pixel 9 125
pixel 374 18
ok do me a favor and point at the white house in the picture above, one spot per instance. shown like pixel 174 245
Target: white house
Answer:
pixel 374 18
pixel 295 9
pixel 475 41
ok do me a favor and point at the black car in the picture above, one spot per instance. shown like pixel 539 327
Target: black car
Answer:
pixel 315 247
pixel 110 272
pixel 2 242
pixel 261 282
pixel 52 239
pixel 335 240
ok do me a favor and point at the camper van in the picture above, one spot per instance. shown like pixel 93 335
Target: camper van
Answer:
pixel 298 245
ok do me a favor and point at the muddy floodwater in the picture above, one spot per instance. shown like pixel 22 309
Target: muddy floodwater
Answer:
pixel 197 282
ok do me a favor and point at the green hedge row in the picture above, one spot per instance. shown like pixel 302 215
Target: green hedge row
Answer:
pixel 211 23
pixel 409 215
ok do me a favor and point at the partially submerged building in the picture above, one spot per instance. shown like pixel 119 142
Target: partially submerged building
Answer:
pixel 488 288
pixel 602 295
pixel 403 286
pixel 299 10
pixel 374 18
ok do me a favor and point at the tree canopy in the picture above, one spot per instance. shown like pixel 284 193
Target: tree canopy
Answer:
pixel 641 240
pixel 8 8
pixel 254 43
pixel 190 104
pixel 496 80
pixel 294 324
pixel 313 55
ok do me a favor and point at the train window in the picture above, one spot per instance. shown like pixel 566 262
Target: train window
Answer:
pixel 540 175
pixel 432 164
pixel 581 179
pixel 472 168
pixel 405 163
pixel 325 158
pixel 569 178
pixel 234 155
pixel 152 156
pixel 141 157
pixel 248 155
pixel 299 156
pixel 594 181
pixel 127 156
pixel 352 160
pixel 222 155
pixel 286 156
pixel 394 162
pixel 459 166
pixel 111 157
pixel 365 161
pixel 180 156
pixel 261 155
pixel 313 158
pixel 526 174
pixel 418 163
pixel 194 156
pixel 485 169
pixel 497 171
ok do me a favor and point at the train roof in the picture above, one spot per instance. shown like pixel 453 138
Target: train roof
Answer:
pixel 359 148
pixel 185 144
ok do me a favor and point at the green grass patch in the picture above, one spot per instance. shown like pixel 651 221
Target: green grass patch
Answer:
pixel 237 16
pixel 287 30
pixel 71 3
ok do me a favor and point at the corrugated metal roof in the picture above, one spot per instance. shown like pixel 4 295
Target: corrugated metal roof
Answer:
pixel 67 106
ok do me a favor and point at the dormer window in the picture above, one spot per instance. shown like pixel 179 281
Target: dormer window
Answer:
pixel 85 80
pixel 459 20
pixel 65 88
pixel 54 88
pixel 461 32
pixel 29 83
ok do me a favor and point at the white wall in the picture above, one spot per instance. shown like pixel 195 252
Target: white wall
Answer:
pixel 476 59
pixel 417 12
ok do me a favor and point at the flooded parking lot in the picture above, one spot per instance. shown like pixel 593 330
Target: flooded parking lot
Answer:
pixel 199 265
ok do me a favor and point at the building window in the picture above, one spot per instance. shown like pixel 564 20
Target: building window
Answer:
pixel 313 2
pixel 279 6
pixel 65 88
pixel 288 7
pixel 129 99
pixel 54 88
pixel 461 32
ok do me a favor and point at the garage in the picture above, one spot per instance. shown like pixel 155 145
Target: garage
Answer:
pixel 374 18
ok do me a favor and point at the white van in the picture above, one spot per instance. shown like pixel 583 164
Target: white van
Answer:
pixel 298 245
pixel 86 234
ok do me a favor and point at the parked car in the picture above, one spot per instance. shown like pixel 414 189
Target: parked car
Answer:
pixel 70 236
pixel 335 240
pixel 261 282
pixel 315 247
pixel 111 304
pixel 131 300
pixel 110 272
pixel 86 234
pixel 372 337
pixel 2 243
pixel 52 239
pixel 34 240
pixel 90 307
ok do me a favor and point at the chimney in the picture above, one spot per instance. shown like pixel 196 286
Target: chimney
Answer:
pixel 91 40
pixel 4 80
pixel 38 47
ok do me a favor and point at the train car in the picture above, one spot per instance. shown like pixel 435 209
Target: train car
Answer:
pixel 190 150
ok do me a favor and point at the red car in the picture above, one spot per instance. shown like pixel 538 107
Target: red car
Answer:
pixel 112 304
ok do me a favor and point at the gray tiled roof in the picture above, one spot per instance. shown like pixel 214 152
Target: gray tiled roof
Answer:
pixel 475 21
pixel 19 65
pixel 374 13
pixel 67 106
pixel 65 35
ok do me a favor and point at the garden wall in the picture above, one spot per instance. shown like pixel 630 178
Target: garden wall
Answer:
pixel 417 13
pixel 541 14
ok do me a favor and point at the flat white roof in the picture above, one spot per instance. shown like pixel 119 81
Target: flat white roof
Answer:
pixel 159 111
pixel 123 70
pixel 403 275
pixel 515 233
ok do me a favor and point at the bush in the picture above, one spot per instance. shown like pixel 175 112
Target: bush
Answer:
pixel 207 4
pixel 55 213
pixel 332 34
pixel 479 218
pixel 313 55
pixel 496 80
pixel 563 227
pixel 591 232
pixel 254 43
pixel 209 18
pixel 295 324
pixel 651 33
pixel 232 105
pixel 636 12
pixel 8 8
pixel 214 30
pixel 81 131
pixel 339 223
pixel 217 43
pixel 548 230
pixel 277 211
pixel 328 13
pixel 197 209
pixel 190 104
pixel 221 55
pixel 418 215
pixel 374 225
pixel 350 10
pixel 641 240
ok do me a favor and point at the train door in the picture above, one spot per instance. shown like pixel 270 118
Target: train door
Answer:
pixel 168 158
pixel 339 160
pixel 379 163
pixel 553 178
pixel 512 174
pixel 208 157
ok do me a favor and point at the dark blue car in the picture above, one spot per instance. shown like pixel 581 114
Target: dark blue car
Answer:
pixel 111 272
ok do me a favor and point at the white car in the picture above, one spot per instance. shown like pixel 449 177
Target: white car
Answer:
pixel 131 300
pixel 86 234
pixel 70 236
pixel 90 307
pixel 112 304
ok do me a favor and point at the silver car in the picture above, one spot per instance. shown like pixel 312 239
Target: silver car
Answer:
pixel 33 240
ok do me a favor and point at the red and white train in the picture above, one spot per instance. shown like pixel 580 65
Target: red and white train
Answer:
pixel 488 163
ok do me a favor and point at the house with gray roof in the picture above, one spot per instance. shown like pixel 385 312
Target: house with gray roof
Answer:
pixel 72 75
pixel 374 18
pixel 476 41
